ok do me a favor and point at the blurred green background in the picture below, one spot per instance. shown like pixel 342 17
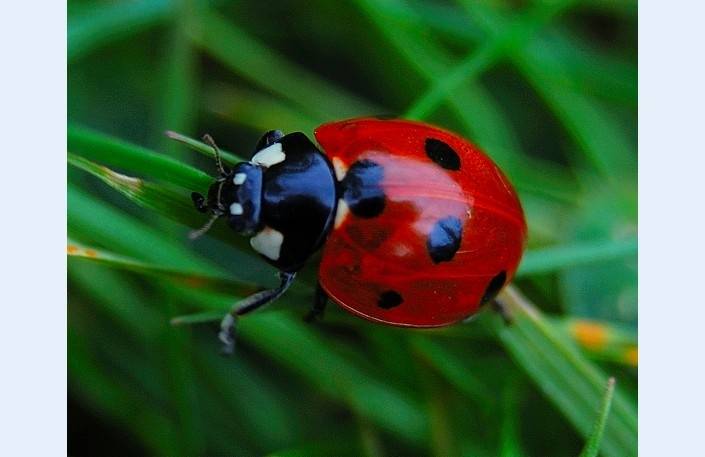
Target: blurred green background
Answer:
pixel 547 88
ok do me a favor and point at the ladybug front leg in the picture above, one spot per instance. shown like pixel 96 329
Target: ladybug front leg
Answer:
pixel 249 304
pixel 319 305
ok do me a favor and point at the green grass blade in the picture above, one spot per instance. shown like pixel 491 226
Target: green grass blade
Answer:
pixel 602 340
pixel 258 111
pixel 338 377
pixel 188 278
pixel 203 148
pixel 170 202
pixel 126 235
pixel 592 447
pixel 544 260
pixel 510 435
pixel 482 118
pixel 180 79
pixel 558 369
pixel 310 357
pixel 592 70
pixel 97 26
pixel 321 449
pixel 447 363
pixel 89 381
pixel 199 318
pixel 611 152
pixel 475 108
pixel 266 68
pixel 160 198
pixel 489 53
pixel 120 154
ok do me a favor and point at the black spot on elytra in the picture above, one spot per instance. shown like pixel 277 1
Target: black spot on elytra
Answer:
pixel 389 299
pixel 444 240
pixel 494 287
pixel 442 154
pixel 362 189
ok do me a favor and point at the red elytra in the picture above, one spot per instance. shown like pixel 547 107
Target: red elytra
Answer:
pixel 383 268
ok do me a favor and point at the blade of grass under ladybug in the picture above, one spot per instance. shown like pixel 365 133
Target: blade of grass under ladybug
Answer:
pixel 160 198
pixel 264 67
pixel 113 152
pixel 125 235
pixel 190 279
pixel 592 447
pixel 488 54
pixel 562 373
pixel 544 260
pixel 129 236
pixel 164 199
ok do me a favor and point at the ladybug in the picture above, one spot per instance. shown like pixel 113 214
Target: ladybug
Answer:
pixel 417 226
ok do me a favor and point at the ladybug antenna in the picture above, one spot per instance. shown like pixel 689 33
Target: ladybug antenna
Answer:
pixel 197 233
pixel 218 162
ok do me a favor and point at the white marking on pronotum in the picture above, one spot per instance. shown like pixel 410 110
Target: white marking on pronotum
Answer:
pixel 239 178
pixel 340 168
pixel 271 155
pixel 236 209
pixel 341 213
pixel 268 242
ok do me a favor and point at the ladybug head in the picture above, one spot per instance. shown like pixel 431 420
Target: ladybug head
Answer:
pixel 235 194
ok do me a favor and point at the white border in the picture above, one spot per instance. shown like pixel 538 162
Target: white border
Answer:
pixel 33 231
pixel 671 229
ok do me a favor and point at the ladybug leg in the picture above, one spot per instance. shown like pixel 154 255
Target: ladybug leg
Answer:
pixel 249 304
pixel 319 305
pixel 267 139
pixel 501 308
